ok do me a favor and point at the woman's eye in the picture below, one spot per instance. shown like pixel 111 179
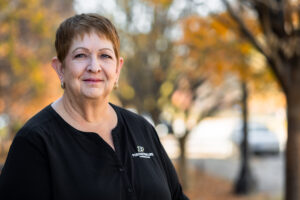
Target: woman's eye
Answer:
pixel 105 56
pixel 80 55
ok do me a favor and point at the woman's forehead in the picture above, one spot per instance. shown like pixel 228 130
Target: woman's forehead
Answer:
pixel 91 40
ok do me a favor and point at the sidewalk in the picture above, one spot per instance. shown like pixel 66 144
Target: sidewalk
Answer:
pixel 205 186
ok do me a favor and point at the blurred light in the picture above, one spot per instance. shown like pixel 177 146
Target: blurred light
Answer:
pixel 132 110
pixel 162 129
pixel 127 92
pixel 142 16
pixel 176 8
pixel 179 127
pixel 166 115
pixel 166 88
pixel 212 6
pixel 3 120
pixel 86 6
pixel 106 8
pixel 148 118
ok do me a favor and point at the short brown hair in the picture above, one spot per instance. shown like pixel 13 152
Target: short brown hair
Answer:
pixel 78 25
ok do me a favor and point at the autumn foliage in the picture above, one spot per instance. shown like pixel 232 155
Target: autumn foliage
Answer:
pixel 26 47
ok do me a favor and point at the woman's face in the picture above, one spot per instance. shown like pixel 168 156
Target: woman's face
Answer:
pixel 90 69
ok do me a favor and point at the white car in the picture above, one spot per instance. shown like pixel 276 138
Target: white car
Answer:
pixel 260 139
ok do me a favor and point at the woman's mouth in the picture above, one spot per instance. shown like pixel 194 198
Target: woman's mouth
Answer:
pixel 92 80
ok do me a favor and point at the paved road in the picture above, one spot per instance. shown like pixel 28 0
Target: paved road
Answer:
pixel 268 171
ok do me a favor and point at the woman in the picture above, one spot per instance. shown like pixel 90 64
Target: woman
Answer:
pixel 81 146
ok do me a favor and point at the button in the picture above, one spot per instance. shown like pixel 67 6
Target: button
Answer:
pixel 121 169
pixel 129 189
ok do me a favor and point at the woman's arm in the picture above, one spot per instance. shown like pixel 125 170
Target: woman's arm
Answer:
pixel 175 187
pixel 25 174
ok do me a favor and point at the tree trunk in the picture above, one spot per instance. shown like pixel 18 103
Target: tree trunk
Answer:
pixel 292 165
pixel 155 114
pixel 182 161
pixel 245 182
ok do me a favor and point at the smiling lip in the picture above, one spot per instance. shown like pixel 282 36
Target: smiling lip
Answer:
pixel 92 80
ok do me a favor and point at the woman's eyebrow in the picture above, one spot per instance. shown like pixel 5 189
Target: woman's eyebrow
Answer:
pixel 106 49
pixel 83 48
pixel 88 49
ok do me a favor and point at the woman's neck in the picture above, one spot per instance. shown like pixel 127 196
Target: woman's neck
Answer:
pixel 84 111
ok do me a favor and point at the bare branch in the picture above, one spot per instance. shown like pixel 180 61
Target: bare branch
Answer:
pixel 245 30
pixel 274 5
pixel 270 56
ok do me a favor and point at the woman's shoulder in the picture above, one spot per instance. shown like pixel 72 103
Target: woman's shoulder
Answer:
pixel 42 120
pixel 131 117
pixel 138 126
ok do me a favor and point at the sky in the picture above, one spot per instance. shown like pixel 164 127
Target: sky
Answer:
pixel 93 5
pixel 142 14
pixel 82 6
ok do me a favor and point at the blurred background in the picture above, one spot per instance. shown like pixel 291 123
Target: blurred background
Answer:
pixel 202 72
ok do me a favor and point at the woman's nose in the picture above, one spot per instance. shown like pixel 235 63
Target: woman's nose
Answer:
pixel 94 65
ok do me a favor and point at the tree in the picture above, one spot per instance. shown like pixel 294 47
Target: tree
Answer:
pixel 148 53
pixel 215 50
pixel 26 47
pixel 203 84
pixel 278 42
pixel 190 103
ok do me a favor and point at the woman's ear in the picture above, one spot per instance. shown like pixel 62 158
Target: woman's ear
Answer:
pixel 58 67
pixel 118 69
pixel 120 65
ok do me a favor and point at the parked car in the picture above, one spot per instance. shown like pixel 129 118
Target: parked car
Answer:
pixel 260 139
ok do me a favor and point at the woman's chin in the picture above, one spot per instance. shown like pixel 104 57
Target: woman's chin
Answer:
pixel 95 94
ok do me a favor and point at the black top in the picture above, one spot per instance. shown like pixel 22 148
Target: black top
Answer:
pixel 50 159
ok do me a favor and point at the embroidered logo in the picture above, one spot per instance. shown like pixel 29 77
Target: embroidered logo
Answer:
pixel 140 149
pixel 141 153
